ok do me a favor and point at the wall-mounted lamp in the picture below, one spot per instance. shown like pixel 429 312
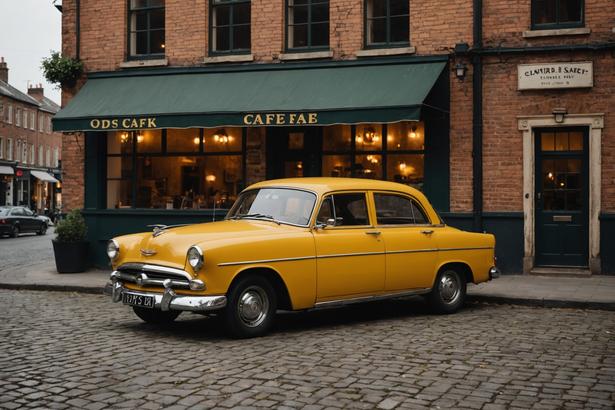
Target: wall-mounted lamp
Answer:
pixel 412 133
pixel 559 114
pixel 196 140
pixel 222 136
pixel 460 71
pixel 370 136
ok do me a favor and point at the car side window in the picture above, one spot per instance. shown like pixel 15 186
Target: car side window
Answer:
pixel 28 212
pixel 398 210
pixel 326 211
pixel 17 212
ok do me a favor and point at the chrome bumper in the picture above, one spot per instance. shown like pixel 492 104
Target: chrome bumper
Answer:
pixel 169 300
pixel 494 273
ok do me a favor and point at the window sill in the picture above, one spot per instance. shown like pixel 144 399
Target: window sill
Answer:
pixel 308 55
pixel 375 52
pixel 159 62
pixel 556 32
pixel 232 58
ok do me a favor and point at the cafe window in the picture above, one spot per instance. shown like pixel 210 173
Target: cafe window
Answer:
pixel 550 14
pixel 393 152
pixel 146 32
pixel 387 23
pixel 175 169
pixel 307 24
pixel 230 26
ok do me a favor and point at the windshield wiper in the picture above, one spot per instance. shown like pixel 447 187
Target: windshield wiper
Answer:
pixel 257 216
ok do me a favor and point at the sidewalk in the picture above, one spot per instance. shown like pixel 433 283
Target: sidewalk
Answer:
pixel 595 292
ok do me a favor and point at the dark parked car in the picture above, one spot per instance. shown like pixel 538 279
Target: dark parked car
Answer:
pixel 17 219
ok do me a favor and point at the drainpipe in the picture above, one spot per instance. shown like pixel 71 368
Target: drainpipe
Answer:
pixel 78 29
pixel 477 117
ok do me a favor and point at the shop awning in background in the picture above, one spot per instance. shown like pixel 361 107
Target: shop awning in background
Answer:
pixel 43 176
pixel 4 170
pixel 267 95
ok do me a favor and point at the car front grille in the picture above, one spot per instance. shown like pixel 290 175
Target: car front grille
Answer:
pixel 153 275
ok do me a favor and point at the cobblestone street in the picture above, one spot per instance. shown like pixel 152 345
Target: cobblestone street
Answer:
pixel 63 350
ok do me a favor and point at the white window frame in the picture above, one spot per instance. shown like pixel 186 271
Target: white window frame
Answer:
pixel 41 122
pixel 9 114
pixel 18 117
pixel 56 157
pixel 32 155
pixel 41 153
pixel 48 156
pixel 1 147
pixel 25 119
pixel 24 149
pixel 9 149
pixel 33 121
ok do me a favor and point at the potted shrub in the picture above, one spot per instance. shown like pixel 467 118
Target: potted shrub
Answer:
pixel 64 71
pixel 70 247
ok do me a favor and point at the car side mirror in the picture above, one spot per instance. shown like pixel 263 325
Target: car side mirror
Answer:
pixel 323 225
pixel 330 222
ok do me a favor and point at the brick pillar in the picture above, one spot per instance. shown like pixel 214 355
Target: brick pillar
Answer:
pixel 73 162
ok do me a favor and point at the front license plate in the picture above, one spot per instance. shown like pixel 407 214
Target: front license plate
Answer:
pixel 134 299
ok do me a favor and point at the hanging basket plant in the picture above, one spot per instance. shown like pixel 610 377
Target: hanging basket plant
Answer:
pixel 63 71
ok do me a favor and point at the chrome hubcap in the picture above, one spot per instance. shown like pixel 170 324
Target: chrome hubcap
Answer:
pixel 253 306
pixel 449 287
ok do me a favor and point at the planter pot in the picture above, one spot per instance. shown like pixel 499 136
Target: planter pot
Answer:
pixel 71 257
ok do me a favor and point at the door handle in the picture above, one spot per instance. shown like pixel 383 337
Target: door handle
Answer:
pixel 372 233
pixel 427 232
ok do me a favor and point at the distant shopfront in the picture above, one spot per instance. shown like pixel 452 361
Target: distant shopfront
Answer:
pixel 178 147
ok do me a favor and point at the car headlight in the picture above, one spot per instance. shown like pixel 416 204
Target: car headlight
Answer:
pixel 113 249
pixel 195 258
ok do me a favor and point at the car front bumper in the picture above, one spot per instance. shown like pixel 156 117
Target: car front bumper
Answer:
pixel 169 300
pixel 494 273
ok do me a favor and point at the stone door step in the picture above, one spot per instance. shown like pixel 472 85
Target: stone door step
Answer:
pixel 566 272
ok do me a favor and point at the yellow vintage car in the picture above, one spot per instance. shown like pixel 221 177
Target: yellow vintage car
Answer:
pixel 295 244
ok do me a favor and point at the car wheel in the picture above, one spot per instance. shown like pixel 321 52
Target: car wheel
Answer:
pixel 156 316
pixel 449 291
pixel 43 229
pixel 15 231
pixel 251 307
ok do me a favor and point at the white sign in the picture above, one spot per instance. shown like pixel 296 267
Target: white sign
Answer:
pixel 555 75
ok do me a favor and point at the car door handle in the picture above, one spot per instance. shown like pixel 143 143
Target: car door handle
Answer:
pixel 372 233
pixel 427 232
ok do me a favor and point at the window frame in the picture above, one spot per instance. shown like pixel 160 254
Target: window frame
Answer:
pixel 231 51
pixel 1 147
pixel 9 149
pixel 9 114
pixel 309 47
pixel 149 55
pixel 19 116
pixel 33 120
pixel 134 155
pixel 332 195
pixel 388 43
pixel 557 25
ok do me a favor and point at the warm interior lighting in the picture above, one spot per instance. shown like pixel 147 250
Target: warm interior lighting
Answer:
pixel 402 166
pixel 210 178
pixel 124 137
pixel 550 176
pixel 161 45
pixel 370 136
pixel 196 140
pixel 222 137
pixel 140 138
pixel 299 165
pixel 413 133
pixel 372 159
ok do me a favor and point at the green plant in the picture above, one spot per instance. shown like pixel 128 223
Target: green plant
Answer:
pixel 60 70
pixel 72 228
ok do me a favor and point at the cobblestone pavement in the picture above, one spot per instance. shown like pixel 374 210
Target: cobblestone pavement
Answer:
pixel 63 350
pixel 25 253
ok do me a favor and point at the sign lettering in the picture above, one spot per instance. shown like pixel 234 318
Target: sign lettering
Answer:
pixel 555 75
pixel 281 119
pixel 123 123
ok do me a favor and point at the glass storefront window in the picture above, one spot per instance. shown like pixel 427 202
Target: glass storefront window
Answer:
pixel 119 142
pixel 368 166
pixel 222 139
pixel 368 137
pixel 149 141
pixel 406 169
pixel 336 166
pixel 336 138
pixel 170 180
pixel 406 136
pixel 188 140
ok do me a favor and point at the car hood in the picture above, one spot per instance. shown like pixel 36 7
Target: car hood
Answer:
pixel 169 247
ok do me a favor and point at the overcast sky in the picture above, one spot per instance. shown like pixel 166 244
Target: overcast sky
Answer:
pixel 29 30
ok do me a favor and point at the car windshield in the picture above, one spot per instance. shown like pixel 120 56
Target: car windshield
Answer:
pixel 280 205
pixel 4 211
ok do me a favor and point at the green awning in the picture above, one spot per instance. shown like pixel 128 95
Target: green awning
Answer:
pixel 274 94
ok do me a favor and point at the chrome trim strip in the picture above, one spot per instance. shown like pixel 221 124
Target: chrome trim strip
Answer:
pixel 144 267
pixel 341 255
pixel 361 299
pixel 179 302
pixel 299 258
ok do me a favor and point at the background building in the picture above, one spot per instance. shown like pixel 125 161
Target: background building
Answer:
pixel 499 112
pixel 30 152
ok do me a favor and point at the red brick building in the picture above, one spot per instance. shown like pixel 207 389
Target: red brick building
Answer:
pixel 30 152
pixel 498 111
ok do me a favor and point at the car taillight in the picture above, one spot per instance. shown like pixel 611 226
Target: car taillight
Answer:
pixel 2 221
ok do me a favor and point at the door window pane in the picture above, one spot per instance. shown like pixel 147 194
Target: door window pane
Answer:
pixel 326 211
pixel 576 141
pixel 397 210
pixel 547 141
pixel 350 209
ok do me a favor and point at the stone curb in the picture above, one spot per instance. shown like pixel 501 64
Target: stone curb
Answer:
pixel 544 303
pixel 53 288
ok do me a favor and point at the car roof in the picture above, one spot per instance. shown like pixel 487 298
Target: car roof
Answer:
pixel 322 185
